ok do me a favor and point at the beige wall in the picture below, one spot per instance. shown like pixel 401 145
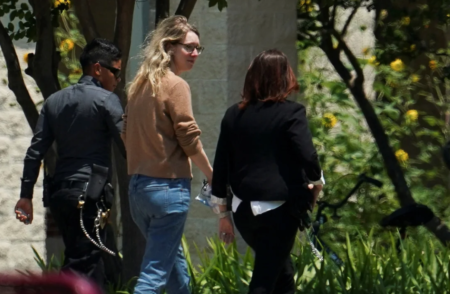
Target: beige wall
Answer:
pixel 15 135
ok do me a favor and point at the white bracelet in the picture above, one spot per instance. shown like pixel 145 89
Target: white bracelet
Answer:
pixel 224 214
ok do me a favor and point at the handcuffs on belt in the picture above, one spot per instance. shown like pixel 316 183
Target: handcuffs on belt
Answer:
pixel 100 221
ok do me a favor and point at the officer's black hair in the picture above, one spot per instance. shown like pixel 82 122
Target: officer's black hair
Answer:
pixel 99 50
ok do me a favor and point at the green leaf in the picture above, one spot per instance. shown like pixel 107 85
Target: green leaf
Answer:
pixel 11 27
pixel 222 4
pixel 213 3
pixel 13 15
pixel 29 16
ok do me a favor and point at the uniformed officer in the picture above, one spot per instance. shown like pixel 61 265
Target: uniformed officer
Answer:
pixel 82 119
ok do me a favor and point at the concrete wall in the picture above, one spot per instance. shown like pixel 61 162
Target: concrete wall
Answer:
pixel 15 136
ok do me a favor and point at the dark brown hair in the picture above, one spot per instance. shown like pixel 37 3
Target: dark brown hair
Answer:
pixel 269 78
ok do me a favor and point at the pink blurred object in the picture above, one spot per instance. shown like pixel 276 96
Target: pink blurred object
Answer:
pixel 54 283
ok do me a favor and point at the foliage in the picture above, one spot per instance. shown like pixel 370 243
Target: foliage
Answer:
pixel 70 42
pixel 407 103
pixel 401 29
pixel 346 147
pixel 369 267
pixel 53 265
pixel 221 4
pixel 26 23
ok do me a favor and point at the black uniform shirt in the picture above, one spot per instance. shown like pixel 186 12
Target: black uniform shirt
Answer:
pixel 81 119
pixel 265 152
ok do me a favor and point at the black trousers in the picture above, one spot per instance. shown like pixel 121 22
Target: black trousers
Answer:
pixel 271 235
pixel 80 255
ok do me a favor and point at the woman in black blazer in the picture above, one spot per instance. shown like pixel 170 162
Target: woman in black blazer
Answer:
pixel 266 155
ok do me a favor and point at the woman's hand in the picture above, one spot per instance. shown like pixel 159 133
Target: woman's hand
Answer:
pixel 226 229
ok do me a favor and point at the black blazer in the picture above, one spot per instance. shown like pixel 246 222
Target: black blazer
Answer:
pixel 265 152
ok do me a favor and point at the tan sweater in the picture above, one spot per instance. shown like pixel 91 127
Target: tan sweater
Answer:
pixel 160 132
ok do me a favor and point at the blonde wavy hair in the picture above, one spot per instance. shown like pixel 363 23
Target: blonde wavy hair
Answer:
pixel 155 55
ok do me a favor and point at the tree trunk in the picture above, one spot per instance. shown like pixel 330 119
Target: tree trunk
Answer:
pixel 186 7
pixel 133 244
pixel 162 10
pixel 84 13
pixel 15 79
pixel 46 60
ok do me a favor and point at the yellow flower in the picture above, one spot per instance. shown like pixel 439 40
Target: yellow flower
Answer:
pixel 373 60
pixel 397 65
pixel 432 64
pixel 25 57
pixel 415 78
pixel 401 155
pixel 77 71
pixel 406 21
pixel 59 2
pixel 413 47
pixel 66 45
pixel 412 115
pixel 329 120
pixel 383 14
pixel 306 6
pixel 366 50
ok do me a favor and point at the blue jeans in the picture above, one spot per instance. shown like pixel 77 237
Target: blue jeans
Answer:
pixel 159 207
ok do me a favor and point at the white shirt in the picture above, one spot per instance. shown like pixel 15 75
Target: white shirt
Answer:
pixel 260 207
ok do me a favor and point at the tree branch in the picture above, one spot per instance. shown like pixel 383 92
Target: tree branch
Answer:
pixel 351 57
pixel 349 20
pixel 382 140
pixel 333 55
pixel 46 58
pixel 15 78
pixel 186 7
pixel 162 10
pixel 84 13
pixel 333 15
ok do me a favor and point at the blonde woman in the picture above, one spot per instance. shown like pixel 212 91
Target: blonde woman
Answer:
pixel 161 135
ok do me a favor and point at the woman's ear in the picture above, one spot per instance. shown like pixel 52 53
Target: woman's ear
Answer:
pixel 169 48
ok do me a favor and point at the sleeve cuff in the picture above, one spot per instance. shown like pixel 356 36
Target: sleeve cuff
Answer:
pixel 320 181
pixel 26 189
pixel 218 201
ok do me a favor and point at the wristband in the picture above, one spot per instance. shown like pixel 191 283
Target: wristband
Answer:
pixel 224 214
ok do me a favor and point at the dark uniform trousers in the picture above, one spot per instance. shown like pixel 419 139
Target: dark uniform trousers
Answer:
pixel 80 255
pixel 271 235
